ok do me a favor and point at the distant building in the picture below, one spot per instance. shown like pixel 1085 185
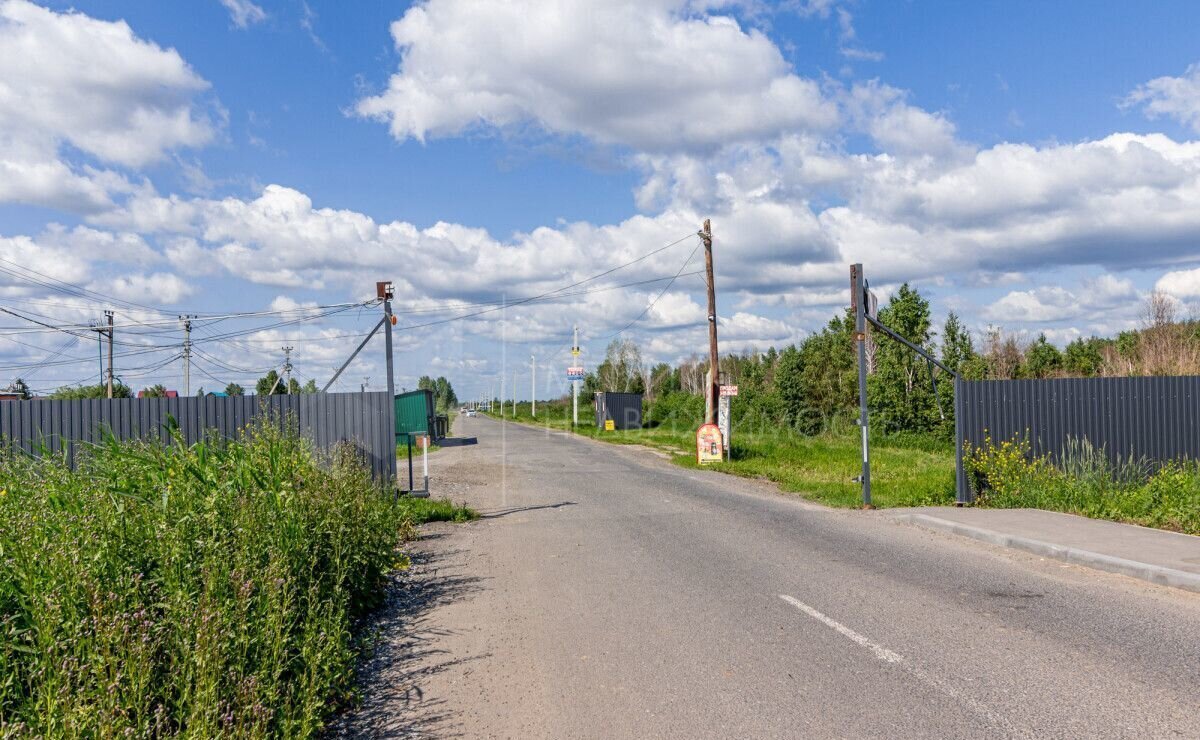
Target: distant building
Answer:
pixel 169 394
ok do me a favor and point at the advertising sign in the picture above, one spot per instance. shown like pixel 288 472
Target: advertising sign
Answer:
pixel 723 421
pixel 729 390
pixel 709 447
pixel 575 373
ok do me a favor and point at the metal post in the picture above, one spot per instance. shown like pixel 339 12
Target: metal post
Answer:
pixel 109 316
pixel 575 383
pixel 408 436
pixel 858 298
pixel 425 460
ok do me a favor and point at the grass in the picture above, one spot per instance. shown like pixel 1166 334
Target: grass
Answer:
pixel 1084 480
pixel 910 471
pixel 211 590
pixel 422 510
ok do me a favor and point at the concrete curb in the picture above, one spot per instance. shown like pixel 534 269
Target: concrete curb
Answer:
pixel 1145 571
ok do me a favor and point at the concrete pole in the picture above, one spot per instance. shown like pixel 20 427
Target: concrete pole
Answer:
pixel 575 383
pixel 109 316
pixel 533 386
pixel 713 363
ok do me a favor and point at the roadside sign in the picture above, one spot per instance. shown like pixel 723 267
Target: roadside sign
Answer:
pixel 729 390
pixel 610 425
pixel 723 422
pixel 709 448
pixel 575 373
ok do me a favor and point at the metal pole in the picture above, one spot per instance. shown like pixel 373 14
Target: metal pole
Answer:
pixel 408 436
pixel 533 386
pixel 109 316
pixel 858 298
pixel 713 362
pixel 425 460
pixel 575 383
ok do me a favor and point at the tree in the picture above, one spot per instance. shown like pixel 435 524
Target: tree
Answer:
pixel 21 389
pixel 309 387
pixel 267 382
pixel 154 391
pixel 901 388
pixel 233 389
pixel 293 387
pixel 1042 359
pixel 957 346
pixel 1083 357
pixel 621 371
pixel 120 390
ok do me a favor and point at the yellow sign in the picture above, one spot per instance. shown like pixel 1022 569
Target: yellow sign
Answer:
pixel 709 445
pixel 609 425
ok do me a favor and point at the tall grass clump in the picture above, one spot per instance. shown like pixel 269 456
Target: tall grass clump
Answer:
pixel 1084 480
pixel 201 591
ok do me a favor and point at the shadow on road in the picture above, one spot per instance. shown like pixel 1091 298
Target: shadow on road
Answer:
pixel 402 654
pixel 458 441
pixel 517 510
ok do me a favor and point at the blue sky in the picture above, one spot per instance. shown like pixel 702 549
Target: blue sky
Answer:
pixel 1028 165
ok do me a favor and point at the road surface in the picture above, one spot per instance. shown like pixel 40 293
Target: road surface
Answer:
pixel 609 594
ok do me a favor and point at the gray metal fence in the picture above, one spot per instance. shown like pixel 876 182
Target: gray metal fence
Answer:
pixel 1154 418
pixel 364 419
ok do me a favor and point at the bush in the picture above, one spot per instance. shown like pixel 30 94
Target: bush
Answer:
pixel 204 591
pixel 1085 481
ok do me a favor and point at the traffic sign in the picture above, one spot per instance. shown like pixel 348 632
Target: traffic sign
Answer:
pixel 729 390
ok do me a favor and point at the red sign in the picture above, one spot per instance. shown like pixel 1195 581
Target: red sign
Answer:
pixel 709 446
pixel 729 390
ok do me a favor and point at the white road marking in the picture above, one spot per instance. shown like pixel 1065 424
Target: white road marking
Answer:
pixel 880 652
pixel 889 656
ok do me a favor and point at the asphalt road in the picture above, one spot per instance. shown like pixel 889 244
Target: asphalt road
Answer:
pixel 609 594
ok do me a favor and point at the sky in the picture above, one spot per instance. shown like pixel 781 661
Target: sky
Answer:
pixel 1030 166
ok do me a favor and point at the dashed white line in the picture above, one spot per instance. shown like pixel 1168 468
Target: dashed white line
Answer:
pixel 880 652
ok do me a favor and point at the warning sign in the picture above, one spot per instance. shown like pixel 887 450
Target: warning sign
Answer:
pixel 709 448
pixel 610 425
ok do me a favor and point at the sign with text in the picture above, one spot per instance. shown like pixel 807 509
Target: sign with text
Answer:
pixel 709 447
pixel 729 390
pixel 575 373
pixel 723 421
pixel 610 425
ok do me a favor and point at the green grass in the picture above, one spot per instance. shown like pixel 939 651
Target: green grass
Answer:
pixel 211 590
pixel 422 510
pixel 909 471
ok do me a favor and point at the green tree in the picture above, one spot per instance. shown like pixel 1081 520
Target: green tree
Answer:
pixel 1042 359
pixel 155 391
pixel 957 347
pixel 21 388
pixel 267 382
pixel 901 389
pixel 100 390
pixel 233 389
pixel 309 387
pixel 1083 357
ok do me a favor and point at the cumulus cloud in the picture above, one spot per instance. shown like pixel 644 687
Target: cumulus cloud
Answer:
pixel 1172 97
pixel 1182 284
pixel 654 76
pixel 68 79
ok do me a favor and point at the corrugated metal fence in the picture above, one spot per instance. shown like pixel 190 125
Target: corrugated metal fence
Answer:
pixel 1154 418
pixel 364 419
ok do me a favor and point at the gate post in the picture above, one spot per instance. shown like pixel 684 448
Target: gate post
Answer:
pixel 961 489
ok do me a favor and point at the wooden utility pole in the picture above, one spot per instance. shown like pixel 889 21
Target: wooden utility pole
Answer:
pixel 109 316
pixel 715 379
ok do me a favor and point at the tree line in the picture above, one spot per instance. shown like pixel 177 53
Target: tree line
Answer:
pixel 812 387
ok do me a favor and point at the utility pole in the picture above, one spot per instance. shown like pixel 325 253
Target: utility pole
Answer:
pixel 713 360
pixel 187 354
pixel 386 292
pixel 858 299
pixel 287 369
pixel 109 315
pixel 362 387
pixel 533 386
pixel 575 383
pixel 514 387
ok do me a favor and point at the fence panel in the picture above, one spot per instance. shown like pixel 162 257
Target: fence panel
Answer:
pixel 364 419
pixel 1153 418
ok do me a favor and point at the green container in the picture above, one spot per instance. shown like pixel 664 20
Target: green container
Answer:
pixel 414 415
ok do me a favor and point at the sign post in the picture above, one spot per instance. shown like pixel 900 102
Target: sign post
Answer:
pixel 724 418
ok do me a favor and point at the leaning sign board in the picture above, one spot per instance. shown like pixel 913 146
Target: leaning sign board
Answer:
pixel 709 447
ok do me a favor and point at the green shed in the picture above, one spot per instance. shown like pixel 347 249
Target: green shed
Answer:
pixel 415 414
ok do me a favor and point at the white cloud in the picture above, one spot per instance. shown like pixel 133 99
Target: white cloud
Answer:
pixel 654 76
pixel 160 288
pixel 1173 97
pixel 1181 284
pixel 68 79
pixel 244 13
